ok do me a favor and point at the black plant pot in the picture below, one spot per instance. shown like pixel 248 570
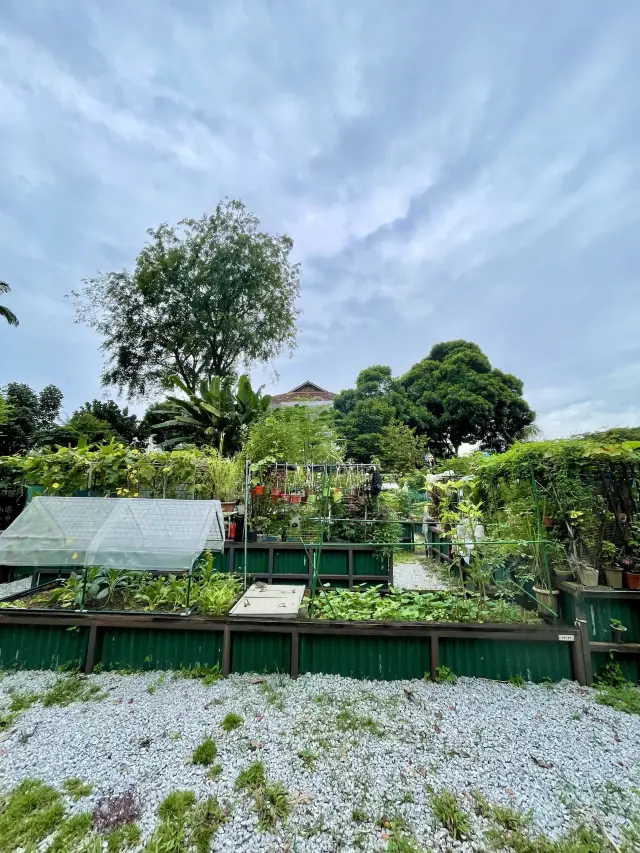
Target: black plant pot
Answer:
pixel 618 635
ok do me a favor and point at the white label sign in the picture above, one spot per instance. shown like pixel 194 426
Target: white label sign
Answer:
pixel 566 638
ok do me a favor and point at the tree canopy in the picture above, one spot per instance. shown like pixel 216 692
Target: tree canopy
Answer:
pixel 205 296
pixel 31 417
pixel 294 434
pixel 452 396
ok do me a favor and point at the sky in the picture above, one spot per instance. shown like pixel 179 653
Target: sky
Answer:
pixel 446 170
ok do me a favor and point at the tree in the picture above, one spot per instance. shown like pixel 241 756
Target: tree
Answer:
pixel 33 417
pixel 455 396
pixel 8 315
pixel 204 297
pixel 452 396
pixel 295 434
pixel 401 450
pixel 5 411
pixel 121 424
pixel 219 416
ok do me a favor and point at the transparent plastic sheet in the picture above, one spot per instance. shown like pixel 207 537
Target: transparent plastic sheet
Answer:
pixel 128 533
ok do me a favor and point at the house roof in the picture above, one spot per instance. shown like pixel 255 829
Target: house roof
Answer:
pixel 305 393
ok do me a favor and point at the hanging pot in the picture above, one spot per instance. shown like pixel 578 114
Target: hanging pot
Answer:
pixel 286 498
pixel 618 635
pixel 588 576
pixel 295 499
pixel 311 499
pixel 547 521
pixel 547 600
pixel 632 580
pixel 275 494
pixel 614 577
pixel 256 491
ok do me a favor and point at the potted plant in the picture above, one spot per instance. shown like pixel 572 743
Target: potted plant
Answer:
pixel 587 574
pixel 612 572
pixel 632 575
pixel 618 631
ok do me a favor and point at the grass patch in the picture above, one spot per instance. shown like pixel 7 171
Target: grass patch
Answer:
pixel 446 808
pixel 348 721
pixel 444 675
pixel 231 721
pixel 186 825
pixel 76 788
pixel 214 771
pixel 71 832
pixel 359 815
pixel 272 805
pixel 123 838
pixel 28 814
pixel 22 701
pixel 274 697
pixel 205 753
pixel 72 688
pixel 208 675
pixel 251 778
pixel 625 698
pixel 517 681
pixel 308 758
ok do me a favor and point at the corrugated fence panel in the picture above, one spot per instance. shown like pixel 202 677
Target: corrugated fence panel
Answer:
pixel 378 658
pixel 289 562
pixel 42 647
pixel 149 648
pixel 333 562
pixel 600 612
pixel 257 561
pixel 260 652
pixel 369 563
pixel 567 608
pixel 500 659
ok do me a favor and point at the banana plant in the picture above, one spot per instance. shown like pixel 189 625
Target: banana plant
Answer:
pixel 218 415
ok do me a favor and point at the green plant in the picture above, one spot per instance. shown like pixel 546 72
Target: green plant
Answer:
pixel 444 675
pixel 308 758
pixel 123 838
pixel 185 824
pixel 214 771
pixel 616 623
pixel 517 681
pixel 28 814
pixel 231 721
pixel 72 688
pixel 205 752
pixel 348 721
pixel 446 808
pixel 76 788
pixel 272 805
pixel 70 833
pixel 208 675
pixel 251 777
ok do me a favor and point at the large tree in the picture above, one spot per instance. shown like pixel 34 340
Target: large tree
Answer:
pixel 205 296
pixel 5 312
pixel 32 417
pixel 98 421
pixel 452 396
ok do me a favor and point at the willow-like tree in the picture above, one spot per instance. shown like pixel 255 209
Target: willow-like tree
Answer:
pixel 5 312
pixel 205 296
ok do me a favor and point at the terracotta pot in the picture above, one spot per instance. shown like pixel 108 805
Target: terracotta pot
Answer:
pixel 256 491
pixel 275 493
pixel 547 521
pixel 228 506
pixel 614 577
pixel 588 577
pixel 295 499
pixel 286 498
pixel 547 600
pixel 632 580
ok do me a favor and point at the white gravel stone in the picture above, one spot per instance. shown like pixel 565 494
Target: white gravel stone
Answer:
pixel 416 576
pixel 7 589
pixel 475 734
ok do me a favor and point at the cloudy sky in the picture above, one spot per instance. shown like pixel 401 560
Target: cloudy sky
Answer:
pixel 445 169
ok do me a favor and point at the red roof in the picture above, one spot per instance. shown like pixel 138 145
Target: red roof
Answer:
pixel 308 392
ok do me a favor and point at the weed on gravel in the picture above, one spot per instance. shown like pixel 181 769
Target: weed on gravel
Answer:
pixel 186 824
pixel 232 721
pixel 208 675
pixel 271 801
pixel 308 758
pixel 446 808
pixel 72 688
pixel 28 814
pixel 76 788
pixel 205 753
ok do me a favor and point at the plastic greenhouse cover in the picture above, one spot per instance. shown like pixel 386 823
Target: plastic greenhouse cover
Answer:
pixel 128 533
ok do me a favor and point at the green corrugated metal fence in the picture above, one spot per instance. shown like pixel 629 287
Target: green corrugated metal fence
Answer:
pixel 42 647
pixel 152 648
pixel 600 612
pixel 379 658
pixel 288 562
pixel 260 652
pixel 501 659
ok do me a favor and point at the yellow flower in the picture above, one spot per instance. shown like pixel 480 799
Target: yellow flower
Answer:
pixel 75 556
pixel 55 485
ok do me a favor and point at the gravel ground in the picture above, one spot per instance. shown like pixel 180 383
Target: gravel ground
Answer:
pixel 12 588
pixel 549 749
pixel 416 576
